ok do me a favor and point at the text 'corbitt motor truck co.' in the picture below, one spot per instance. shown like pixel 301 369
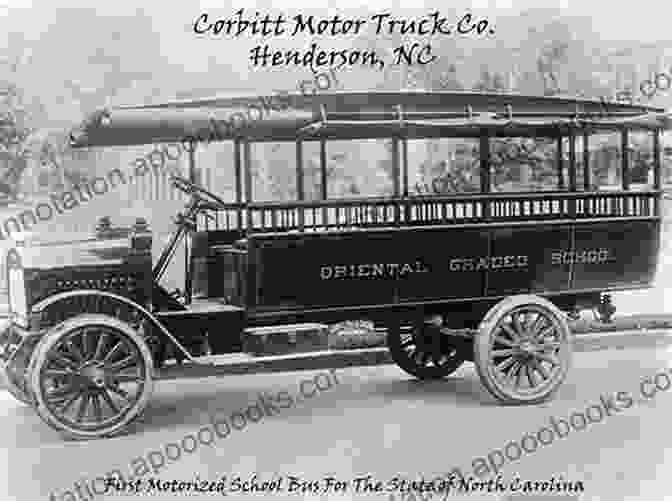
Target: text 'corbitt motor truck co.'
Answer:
pixel 384 23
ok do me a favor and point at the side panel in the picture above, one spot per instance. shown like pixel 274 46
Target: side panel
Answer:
pixel 539 275
pixel 449 258
pixel 612 255
pixel 309 271
pixel 433 264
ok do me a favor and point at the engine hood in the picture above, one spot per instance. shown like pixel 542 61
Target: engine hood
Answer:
pixel 65 250
pixel 40 253
pixel 40 267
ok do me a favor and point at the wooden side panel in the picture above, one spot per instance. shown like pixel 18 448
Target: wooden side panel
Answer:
pixel 448 256
pixel 612 255
pixel 306 271
pixel 521 260
pixel 433 264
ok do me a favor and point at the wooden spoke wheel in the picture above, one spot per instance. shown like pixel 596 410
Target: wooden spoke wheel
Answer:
pixel 523 350
pixel 422 351
pixel 99 304
pixel 91 376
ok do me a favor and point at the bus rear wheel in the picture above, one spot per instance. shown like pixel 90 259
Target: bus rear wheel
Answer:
pixel 422 351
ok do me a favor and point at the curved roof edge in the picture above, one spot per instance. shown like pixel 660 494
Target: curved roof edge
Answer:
pixel 285 115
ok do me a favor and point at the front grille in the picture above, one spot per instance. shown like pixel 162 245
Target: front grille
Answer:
pixel 41 284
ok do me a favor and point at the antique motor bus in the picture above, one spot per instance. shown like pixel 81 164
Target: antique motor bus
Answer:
pixel 485 275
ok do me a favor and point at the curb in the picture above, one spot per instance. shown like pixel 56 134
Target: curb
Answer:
pixel 642 338
pixel 625 323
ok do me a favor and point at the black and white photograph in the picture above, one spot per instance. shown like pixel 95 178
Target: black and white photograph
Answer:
pixel 345 251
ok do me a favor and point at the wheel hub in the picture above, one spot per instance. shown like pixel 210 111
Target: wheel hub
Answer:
pixel 527 347
pixel 94 375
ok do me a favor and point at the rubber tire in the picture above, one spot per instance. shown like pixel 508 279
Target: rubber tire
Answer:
pixel 482 345
pixel 9 375
pixel 16 391
pixel 52 337
pixel 398 354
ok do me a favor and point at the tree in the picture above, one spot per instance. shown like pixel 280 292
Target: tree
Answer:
pixel 109 59
pixel 553 54
pixel 449 80
pixel 15 129
pixel 509 157
pixel 490 82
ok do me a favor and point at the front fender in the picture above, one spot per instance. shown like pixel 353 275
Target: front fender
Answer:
pixel 93 297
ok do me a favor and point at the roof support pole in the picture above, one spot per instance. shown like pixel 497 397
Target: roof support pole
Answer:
pixel 572 160
pixel 396 177
pixel 404 159
pixel 657 178
pixel 625 157
pixel 625 174
pixel 324 192
pixel 193 174
pixel 484 154
pixel 404 166
pixel 300 190
pixel 239 182
pixel 572 172
pixel 559 165
pixel 586 161
pixel 396 172
pixel 247 169
pixel 188 241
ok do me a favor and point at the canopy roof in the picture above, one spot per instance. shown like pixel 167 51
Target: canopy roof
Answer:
pixel 359 115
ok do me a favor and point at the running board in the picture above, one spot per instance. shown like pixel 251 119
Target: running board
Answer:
pixel 282 363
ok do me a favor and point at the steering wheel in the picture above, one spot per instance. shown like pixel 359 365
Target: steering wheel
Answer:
pixel 184 185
